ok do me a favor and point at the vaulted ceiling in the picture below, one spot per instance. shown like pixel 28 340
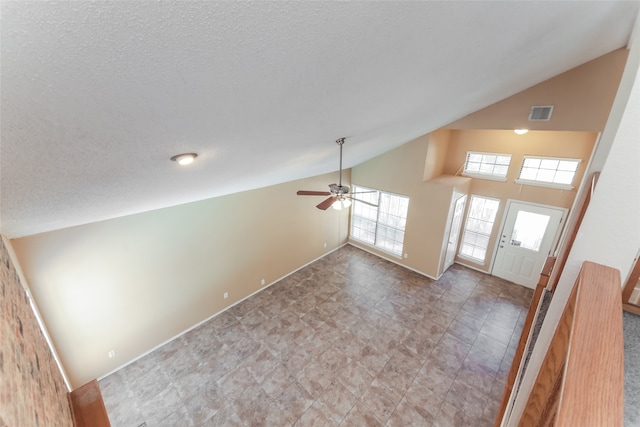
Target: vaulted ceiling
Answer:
pixel 97 96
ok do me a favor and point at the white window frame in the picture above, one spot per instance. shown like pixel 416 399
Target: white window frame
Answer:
pixel 549 184
pixel 488 235
pixel 378 240
pixel 491 176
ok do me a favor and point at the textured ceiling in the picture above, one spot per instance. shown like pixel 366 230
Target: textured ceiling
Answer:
pixel 96 96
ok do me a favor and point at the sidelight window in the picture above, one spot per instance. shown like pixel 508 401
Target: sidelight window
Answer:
pixel 478 227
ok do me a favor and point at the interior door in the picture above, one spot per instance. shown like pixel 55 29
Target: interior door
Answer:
pixel 528 233
pixel 454 232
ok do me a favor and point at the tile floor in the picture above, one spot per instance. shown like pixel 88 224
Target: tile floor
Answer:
pixel 350 340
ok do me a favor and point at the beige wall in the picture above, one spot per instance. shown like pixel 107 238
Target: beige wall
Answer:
pixel 442 192
pixel 545 143
pixel 436 153
pixel 582 98
pixel 131 283
pixel 402 171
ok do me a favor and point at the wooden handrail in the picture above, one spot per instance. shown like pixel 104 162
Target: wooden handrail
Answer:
pixel 593 392
pixel 581 380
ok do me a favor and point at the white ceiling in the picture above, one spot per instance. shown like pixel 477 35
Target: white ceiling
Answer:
pixel 96 96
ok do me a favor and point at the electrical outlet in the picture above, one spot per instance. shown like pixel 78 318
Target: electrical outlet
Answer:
pixel 325 244
pixel 262 282
pixel 111 354
pixel 406 255
pixel 226 295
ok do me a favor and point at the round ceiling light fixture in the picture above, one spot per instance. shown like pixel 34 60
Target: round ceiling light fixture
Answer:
pixel 184 158
pixel 521 131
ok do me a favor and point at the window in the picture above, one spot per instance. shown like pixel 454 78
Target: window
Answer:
pixel 477 229
pixel 382 226
pixel 529 230
pixel 487 165
pixel 548 171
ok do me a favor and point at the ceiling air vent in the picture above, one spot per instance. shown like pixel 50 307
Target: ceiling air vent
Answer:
pixel 540 113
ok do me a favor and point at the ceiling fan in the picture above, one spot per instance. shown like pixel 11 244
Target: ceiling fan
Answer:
pixel 340 196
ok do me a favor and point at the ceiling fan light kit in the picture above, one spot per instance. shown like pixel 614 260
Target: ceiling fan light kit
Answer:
pixel 340 204
pixel 339 196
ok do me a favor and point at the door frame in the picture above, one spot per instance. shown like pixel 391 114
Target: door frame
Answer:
pixel 448 228
pixel 505 212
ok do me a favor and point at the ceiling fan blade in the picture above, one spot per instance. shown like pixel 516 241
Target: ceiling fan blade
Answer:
pixel 313 193
pixel 362 201
pixel 325 204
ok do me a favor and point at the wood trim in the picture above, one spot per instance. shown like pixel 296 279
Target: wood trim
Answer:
pixel 537 411
pixel 593 392
pixel 566 248
pixel 524 337
pixel 517 357
pixel 631 308
pixel 88 407
pixel 632 281
pixel 547 268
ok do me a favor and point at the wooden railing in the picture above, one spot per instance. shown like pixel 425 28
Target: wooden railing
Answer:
pixel 87 406
pixel 593 391
pixel 524 335
pixel 581 380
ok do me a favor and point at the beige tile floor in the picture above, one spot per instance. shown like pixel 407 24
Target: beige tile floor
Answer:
pixel 350 340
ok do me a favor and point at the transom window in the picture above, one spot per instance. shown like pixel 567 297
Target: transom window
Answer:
pixel 382 226
pixel 487 165
pixel 478 227
pixel 548 171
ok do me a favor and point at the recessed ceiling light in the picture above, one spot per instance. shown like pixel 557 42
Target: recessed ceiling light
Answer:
pixel 184 158
pixel 521 131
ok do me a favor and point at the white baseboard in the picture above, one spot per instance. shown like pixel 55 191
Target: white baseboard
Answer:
pixel 422 273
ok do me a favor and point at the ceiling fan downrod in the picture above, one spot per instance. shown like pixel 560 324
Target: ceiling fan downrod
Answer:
pixel 340 141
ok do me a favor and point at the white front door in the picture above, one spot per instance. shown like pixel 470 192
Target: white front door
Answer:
pixel 454 232
pixel 528 233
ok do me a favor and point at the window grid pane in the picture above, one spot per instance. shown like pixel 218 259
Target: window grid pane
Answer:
pixel 487 164
pixel 383 226
pixel 548 170
pixel 477 229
